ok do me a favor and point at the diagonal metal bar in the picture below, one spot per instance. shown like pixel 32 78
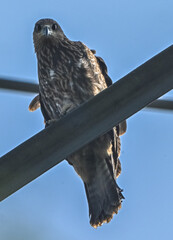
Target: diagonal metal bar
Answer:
pixel 95 117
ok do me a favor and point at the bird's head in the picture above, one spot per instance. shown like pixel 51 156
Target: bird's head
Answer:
pixel 47 30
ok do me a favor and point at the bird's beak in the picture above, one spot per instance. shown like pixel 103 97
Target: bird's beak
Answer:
pixel 47 31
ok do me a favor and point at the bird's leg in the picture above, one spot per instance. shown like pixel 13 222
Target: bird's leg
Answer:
pixel 65 111
pixel 50 122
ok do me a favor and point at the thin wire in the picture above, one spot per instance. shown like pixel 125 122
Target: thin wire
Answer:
pixel 20 86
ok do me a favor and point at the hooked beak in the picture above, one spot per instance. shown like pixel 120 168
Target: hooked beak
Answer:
pixel 47 31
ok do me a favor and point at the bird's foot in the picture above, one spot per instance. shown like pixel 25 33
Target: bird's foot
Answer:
pixel 50 122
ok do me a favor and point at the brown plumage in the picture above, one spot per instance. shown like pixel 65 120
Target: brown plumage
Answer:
pixel 70 74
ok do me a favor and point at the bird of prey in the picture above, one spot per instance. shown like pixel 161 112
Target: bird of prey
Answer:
pixel 70 74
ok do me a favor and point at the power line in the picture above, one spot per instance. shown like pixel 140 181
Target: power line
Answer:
pixel 161 105
pixel 92 119
pixel 11 84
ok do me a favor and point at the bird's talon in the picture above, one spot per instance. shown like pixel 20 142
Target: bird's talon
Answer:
pixel 50 122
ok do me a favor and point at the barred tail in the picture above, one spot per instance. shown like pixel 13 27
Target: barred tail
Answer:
pixel 104 196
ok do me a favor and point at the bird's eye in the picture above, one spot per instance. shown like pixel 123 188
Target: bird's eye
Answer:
pixel 54 27
pixel 38 28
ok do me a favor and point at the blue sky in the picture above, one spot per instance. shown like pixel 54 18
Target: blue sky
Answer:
pixel 126 34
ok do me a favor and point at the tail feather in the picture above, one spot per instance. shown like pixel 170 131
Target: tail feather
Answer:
pixel 98 165
pixel 104 197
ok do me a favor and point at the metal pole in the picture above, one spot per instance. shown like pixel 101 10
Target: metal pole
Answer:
pixel 95 117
